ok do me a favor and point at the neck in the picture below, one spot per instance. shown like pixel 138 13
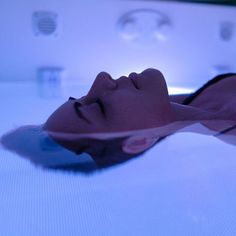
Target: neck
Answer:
pixel 190 113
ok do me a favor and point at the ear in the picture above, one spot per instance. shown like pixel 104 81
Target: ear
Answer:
pixel 138 144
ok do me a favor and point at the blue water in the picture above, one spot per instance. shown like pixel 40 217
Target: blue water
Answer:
pixel 184 186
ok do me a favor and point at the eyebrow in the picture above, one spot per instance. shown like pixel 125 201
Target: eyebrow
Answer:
pixel 76 106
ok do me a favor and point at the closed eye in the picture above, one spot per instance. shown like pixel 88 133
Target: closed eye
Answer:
pixel 77 105
pixel 101 105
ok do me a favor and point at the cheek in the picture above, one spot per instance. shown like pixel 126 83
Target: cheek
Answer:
pixel 65 120
pixel 62 120
pixel 59 122
pixel 128 115
pixel 142 112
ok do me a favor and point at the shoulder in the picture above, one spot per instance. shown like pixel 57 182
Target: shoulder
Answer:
pixel 211 84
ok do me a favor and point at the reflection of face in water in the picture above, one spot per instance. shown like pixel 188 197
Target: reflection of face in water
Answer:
pixel 128 103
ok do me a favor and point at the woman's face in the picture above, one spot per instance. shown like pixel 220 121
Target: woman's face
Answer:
pixel 138 101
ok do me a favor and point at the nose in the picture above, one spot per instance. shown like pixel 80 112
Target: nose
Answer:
pixel 101 85
pixel 105 81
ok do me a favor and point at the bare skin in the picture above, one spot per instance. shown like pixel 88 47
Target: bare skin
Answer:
pixel 120 119
pixel 137 102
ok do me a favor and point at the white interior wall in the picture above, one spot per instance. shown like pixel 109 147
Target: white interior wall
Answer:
pixel 88 41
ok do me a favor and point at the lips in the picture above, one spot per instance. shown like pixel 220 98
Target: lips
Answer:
pixel 134 78
pixel 134 81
